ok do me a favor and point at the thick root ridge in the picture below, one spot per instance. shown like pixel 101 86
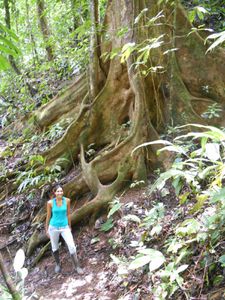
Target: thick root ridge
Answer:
pixel 62 104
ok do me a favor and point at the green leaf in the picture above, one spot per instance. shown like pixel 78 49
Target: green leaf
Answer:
pixel 156 230
pixel 132 218
pixel 151 143
pixel 200 202
pixel 207 171
pixel 107 225
pixel 115 259
pixel 191 16
pixel 203 142
pixel 116 207
pixel 4 64
pixel 218 196
pixel 220 38
pixel 24 184
pixel 153 257
pixel 156 258
pixel 218 280
pixel 155 18
pixel 139 262
pixel 202 236
pixel 175 246
pixel 156 263
pixel 9 32
pixel 213 133
pixel 7 50
pixel 212 151
pixel 140 15
pixel 182 268
pixel 126 51
pixel 222 260
pixel 9 44
pixel 177 184
pixel 188 227
pixel 172 173
pixel 183 198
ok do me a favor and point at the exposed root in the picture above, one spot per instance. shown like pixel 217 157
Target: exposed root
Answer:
pixel 40 254
pixel 62 104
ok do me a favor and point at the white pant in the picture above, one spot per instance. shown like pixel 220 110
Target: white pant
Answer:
pixel 65 232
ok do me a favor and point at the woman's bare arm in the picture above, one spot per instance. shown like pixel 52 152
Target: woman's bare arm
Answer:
pixel 49 212
pixel 68 211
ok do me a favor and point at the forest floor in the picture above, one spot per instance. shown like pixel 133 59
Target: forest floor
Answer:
pixel 100 280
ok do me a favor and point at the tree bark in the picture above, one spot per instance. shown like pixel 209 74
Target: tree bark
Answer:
pixel 30 33
pixel 45 29
pixel 95 73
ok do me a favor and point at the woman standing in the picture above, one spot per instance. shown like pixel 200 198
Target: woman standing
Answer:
pixel 58 223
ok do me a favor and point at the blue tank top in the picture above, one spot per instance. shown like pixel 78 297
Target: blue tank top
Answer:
pixel 59 214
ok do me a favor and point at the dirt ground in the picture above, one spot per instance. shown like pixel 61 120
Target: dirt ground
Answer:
pixel 100 280
pixel 93 284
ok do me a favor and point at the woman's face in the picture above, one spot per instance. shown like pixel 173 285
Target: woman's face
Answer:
pixel 59 192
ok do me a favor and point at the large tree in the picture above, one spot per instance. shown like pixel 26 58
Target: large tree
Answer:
pixel 162 77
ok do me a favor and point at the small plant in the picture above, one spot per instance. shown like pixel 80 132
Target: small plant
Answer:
pixel 115 206
pixel 56 131
pixel 196 230
pixel 137 183
pixel 219 40
pixel 198 12
pixel 153 219
pixel 213 111
pixel 152 257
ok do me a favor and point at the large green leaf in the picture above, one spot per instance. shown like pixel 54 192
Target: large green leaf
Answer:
pixel 222 260
pixel 7 50
pixel 172 173
pixel 8 43
pixel 9 32
pixel 218 195
pixel 154 257
pixel 4 64
pixel 152 143
pixel 139 262
pixel 219 40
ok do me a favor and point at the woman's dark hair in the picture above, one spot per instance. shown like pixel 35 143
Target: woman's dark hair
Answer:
pixel 55 188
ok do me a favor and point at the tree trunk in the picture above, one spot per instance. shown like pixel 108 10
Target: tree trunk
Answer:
pixel 140 97
pixel 30 33
pixel 45 29
pixel 96 76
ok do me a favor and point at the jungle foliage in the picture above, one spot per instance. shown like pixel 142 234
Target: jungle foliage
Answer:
pixel 88 93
